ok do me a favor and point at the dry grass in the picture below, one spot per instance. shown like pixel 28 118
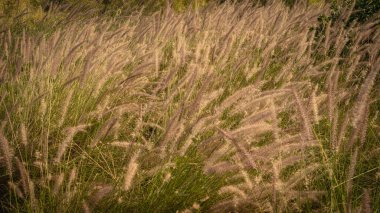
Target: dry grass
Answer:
pixel 255 108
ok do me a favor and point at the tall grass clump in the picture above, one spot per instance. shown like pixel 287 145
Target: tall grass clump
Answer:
pixel 229 108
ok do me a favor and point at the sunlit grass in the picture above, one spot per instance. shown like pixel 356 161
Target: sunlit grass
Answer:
pixel 233 107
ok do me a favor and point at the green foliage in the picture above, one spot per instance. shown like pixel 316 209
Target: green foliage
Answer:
pixel 366 9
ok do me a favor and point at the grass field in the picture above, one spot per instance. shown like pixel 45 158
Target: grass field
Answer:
pixel 223 108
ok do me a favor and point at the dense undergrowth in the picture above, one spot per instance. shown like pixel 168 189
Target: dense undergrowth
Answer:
pixel 227 108
pixel 44 16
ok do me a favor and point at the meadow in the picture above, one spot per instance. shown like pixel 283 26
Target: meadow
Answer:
pixel 232 107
